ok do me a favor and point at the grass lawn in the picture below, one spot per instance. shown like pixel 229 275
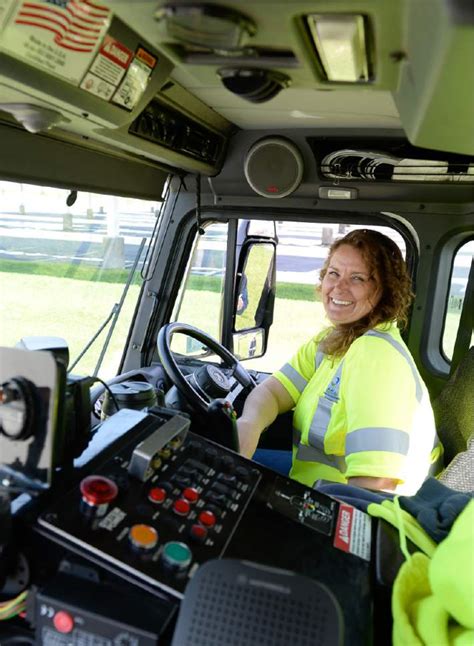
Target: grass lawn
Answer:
pixel 39 305
pixel 72 309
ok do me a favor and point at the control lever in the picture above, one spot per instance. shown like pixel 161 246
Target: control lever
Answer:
pixel 224 431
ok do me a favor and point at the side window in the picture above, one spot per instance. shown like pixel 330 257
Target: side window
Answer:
pixel 66 270
pixel 457 291
pixel 201 297
pixel 299 314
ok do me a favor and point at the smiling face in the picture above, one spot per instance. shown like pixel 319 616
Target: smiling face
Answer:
pixel 348 290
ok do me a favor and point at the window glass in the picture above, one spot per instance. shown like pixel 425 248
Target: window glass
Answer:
pixel 64 269
pixel 201 296
pixel 299 314
pixel 457 291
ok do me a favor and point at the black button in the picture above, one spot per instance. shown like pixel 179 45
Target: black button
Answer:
pixel 218 498
pixel 228 479
pixel 194 474
pixel 220 488
pixel 195 464
pixel 227 464
pixel 217 511
pixel 182 481
pixel 210 456
pixel 242 474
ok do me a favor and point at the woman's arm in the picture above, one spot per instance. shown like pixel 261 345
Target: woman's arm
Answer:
pixel 268 400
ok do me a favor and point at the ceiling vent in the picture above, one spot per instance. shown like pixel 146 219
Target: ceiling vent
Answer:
pixel 254 85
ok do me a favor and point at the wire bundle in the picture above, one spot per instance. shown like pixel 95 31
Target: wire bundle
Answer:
pixel 13 607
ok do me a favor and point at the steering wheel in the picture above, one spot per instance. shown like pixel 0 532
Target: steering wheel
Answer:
pixel 191 386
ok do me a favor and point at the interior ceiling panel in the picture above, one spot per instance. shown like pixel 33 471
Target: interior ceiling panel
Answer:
pixel 417 53
pixel 309 99
pixel 306 108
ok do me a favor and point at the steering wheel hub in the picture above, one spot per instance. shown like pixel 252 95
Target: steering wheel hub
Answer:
pixel 213 381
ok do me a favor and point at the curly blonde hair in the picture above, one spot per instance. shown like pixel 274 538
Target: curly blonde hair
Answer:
pixel 387 267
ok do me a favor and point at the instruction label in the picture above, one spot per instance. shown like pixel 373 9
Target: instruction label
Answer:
pixel 59 36
pixel 136 79
pixel 353 531
pixel 108 68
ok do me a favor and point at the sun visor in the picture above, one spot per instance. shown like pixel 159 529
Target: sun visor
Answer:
pixel 435 96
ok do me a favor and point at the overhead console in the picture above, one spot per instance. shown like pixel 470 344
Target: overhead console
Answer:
pixel 99 80
pixel 164 125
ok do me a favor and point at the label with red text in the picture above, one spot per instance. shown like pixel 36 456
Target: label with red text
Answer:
pixel 353 531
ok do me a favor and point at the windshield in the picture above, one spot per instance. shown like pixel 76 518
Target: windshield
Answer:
pixel 65 269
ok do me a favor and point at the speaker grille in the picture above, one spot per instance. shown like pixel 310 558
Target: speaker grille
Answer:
pixel 274 167
pixel 225 607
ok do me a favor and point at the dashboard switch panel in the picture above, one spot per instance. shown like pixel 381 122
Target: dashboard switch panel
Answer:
pixel 164 521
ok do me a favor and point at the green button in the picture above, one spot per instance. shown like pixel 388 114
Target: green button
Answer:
pixel 177 554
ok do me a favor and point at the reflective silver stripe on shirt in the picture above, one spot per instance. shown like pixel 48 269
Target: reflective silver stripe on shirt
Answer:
pixel 310 454
pixel 322 415
pixel 404 352
pixel 392 440
pixel 294 376
pixel 318 359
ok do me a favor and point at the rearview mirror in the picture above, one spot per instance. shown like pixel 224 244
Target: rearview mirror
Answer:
pixel 255 292
pixel 249 344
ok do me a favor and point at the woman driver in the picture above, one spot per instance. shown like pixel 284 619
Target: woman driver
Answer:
pixel 362 413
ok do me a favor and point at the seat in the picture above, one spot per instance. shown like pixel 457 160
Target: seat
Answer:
pixel 454 415
pixel 236 603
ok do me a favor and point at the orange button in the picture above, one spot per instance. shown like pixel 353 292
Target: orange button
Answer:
pixel 143 537
pixel 63 622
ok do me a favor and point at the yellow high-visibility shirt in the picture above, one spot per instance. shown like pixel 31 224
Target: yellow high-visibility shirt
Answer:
pixel 365 414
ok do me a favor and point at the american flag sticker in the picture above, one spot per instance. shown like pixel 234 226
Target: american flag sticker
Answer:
pixel 75 24
pixel 59 35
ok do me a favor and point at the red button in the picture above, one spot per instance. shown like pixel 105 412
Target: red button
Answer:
pixel 98 490
pixel 157 494
pixel 181 507
pixel 191 494
pixel 63 622
pixel 198 533
pixel 207 518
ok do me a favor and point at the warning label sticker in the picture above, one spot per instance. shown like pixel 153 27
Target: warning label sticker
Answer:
pixel 136 79
pixel 353 531
pixel 107 69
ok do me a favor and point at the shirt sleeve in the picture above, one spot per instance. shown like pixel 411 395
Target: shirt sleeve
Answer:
pixel 380 401
pixel 295 374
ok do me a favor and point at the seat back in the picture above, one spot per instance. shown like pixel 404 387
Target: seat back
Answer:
pixel 235 603
pixel 454 409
